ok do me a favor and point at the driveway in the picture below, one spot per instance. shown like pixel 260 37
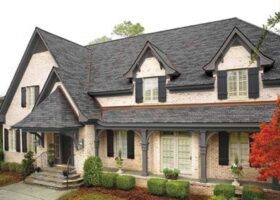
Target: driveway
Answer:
pixel 23 191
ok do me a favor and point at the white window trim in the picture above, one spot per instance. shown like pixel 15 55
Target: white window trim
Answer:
pixel 12 140
pixel 30 97
pixel 237 85
pixel 117 136
pixel 152 100
pixel 239 151
pixel 31 142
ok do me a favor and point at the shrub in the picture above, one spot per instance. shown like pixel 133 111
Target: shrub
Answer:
pixel 171 173
pixel 51 155
pixel 226 190
pixel 218 198
pixel 108 180
pixel 125 182
pixel 177 189
pixel 27 164
pixel 5 166
pixel 12 166
pixel 92 171
pixel 252 193
pixel 157 186
pixel 19 168
pixel 1 155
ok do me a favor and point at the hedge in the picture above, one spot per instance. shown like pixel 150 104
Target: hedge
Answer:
pixel 108 180
pixel 125 182
pixel 226 190
pixel 156 186
pixel 92 171
pixel 178 189
pixel 252 193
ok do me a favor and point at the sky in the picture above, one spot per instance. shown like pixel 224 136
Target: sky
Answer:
pixel 84 20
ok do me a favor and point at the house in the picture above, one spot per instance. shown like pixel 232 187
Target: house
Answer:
pixel 185 98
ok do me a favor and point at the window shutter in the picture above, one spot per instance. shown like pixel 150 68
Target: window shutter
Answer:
pixel 24 141
pixel 6 138
pixel 110 143
pixel 162 89
pixel 37 90
pixel 253 79
pixel 139 90
pixel 223 148
pixel 130 144
pixel 222 84
pixel 250 143
pixel 23 97
pixel 42 141
pixel 17 140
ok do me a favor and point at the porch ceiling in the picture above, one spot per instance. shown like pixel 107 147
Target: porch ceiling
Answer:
pixel 53 114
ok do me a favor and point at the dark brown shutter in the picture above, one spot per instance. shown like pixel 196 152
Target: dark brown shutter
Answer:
pixel 110 143
pixel 24 141
pixel 161 89
pixel 222 84
pixel 6 138
pixel 250 143
pixel 23 97
pixel 130 144
pixel 253 79
pixel 223 148
pixel 139 90
pixel 17 140
pixel 42 141
pixel 37 90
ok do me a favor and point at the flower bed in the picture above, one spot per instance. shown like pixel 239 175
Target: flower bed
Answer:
pixel 7 178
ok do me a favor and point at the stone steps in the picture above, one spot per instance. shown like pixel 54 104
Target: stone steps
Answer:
pixel 53 178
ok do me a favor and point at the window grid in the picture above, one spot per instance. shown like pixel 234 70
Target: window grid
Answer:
pixel 239 146
pixel 31 142
pixel 30 96
pixel 237 83
pixel 150 89
pixel 120 143
pixel 12 140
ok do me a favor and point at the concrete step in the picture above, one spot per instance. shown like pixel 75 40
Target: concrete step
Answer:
pixel 58 170
pixel 61 180
pixel 56 175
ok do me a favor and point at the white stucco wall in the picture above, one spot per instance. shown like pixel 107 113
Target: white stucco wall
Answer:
pixel 149 68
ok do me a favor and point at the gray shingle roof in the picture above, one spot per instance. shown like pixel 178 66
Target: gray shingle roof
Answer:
pixel 197 114
pixel 54 112
pixel 188 48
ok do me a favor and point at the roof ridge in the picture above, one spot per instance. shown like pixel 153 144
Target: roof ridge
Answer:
pixel 172 29
pixel 67 40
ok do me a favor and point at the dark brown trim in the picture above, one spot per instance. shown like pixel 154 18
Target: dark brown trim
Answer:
pixel 190 87
pixel 112 93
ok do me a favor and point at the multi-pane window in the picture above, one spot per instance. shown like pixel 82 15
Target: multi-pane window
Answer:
pixel 120 143
pixel 31 142
pixel 176 151
pixel 150 89
pixel 237 83
pixel 30 96
pixel 239 147
pixel 12 139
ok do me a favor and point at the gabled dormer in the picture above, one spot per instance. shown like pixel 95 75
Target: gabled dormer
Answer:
pixel 237 73
pixel 150 71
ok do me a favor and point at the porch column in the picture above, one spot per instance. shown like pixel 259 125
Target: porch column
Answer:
pixel 145 147
pixel 203 152
pixel 96 142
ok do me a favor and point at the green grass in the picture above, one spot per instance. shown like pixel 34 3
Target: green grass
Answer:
pixel 4 178
pixel 67 195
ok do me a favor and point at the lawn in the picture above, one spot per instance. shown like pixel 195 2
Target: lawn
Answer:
pixel 7 178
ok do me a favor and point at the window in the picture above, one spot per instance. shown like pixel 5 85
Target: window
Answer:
pixel 176 151
pixel 30 96
pixel 31 146
pixel 12 139
pixel 237 83
pixel 150 89
pixel 120 143
pixel 239 146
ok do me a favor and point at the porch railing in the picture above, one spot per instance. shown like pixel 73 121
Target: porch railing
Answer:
pixel 41 160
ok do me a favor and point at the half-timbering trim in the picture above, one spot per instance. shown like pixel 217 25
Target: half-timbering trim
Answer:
pixel 111 93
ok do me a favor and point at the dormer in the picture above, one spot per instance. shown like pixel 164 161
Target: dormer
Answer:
pixel 149 72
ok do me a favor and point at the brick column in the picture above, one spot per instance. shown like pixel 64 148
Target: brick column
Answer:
pixel 145 147
pixel 96 142
pixel 203 153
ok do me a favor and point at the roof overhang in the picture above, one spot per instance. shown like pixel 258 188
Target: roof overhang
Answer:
pixel 48 129
pixel 264 60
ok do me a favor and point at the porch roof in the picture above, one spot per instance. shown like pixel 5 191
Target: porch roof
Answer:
pixel 53 114
pixel 219 114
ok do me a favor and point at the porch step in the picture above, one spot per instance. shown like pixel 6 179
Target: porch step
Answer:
pixel 53 178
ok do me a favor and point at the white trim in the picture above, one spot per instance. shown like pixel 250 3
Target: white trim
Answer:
pixel 148 85
pixel 237 83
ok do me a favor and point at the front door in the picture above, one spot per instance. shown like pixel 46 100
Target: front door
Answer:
pixel 67 149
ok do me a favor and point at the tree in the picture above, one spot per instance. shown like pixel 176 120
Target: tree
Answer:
pixel 265 148
pixel 101 40
pixel 127 28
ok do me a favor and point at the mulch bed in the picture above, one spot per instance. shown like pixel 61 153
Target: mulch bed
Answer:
pixel 12 178
pixel 135 194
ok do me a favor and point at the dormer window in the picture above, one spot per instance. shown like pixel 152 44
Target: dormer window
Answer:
pixel 237 82
pixel 150 89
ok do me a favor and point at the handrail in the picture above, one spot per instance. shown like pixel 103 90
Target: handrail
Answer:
pixel 44 153
pixel 68 167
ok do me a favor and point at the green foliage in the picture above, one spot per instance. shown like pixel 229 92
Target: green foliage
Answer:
pixel 226 190
pixel 5 166
pixel 218 198
pixel 1 154
pixel 171 173
pixel 27 163
pixel 157 186
pixel 67 196
pixel 252 193
pixel 92 171
pixel 19 168
pixel 125 182
pixel 177 189
pixel 108 180
pixel 127 28
pixel 51 155
pixel 12 167
pixel 101 40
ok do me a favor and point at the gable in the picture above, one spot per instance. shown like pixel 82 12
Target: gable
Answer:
pixel 150 67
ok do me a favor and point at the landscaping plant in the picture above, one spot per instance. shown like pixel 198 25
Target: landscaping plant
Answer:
pixel 108 180
pixel 125 182
pixel 177 189
pixel 92 171
pixel 171 173
pixel 226 190
pixel 157 186
pixel 28 164
pixel 51 155
pixel 119 162
pixel 252 193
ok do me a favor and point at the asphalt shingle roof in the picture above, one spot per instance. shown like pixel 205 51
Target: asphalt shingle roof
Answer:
pixel 197 114
pixel 54 112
